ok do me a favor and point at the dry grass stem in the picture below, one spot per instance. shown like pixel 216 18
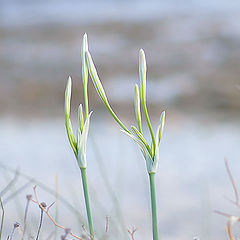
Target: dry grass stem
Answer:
pixel 10 183
pixel 28 197
pixel 107 224
pixel 232 182
pixel 2 218
pixel 232 219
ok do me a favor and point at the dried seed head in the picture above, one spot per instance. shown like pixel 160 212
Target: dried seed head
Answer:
pixel 29 197
pixel 43 204
pixel 16 225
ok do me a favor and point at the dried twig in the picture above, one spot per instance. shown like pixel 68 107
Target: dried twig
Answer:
pixel 229 231
pixel 132 232
pixel 222 213
pixel 107 224
pixel 2 219
pixel 46 211
pixel 232 220
pixel 232 182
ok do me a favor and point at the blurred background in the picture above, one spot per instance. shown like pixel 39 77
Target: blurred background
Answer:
pixel 193 56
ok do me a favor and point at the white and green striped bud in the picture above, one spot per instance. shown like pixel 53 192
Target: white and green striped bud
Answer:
pixel 79 145
pixel 99 87
pixel 96 81
pixel 142 75
pixel 160 128
pixel 68 124
pixel 80 118
pixel 84 60
pixel 150 154
pixel 82 143
pixel 85 72
pixel 137 108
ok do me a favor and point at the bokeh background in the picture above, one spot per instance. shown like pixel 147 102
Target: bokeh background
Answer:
pixel 193 56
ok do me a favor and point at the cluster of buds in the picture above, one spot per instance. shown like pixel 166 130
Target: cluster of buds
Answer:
pixel 149 151
pixel 79 144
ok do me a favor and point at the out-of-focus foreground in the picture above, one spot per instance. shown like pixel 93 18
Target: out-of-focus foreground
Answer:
pixel 193 56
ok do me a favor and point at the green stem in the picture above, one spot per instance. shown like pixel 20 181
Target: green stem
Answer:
pixel 86 100
pixel 87 202
pixel 149 125
pixel 116 118
pixel 154 206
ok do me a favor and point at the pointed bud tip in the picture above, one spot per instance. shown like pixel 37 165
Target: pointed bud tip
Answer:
pixel 163 115
pixel 69 84
pixel 85 43
pixel 142 53
pixel 69 81
pixel 85 38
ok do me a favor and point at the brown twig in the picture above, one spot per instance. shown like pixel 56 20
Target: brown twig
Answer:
pixel 229 231
pixel 132 232
pixel 232 220
pixel 232 182
pixel 107 224
pixel 222 213
pixel 46 211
